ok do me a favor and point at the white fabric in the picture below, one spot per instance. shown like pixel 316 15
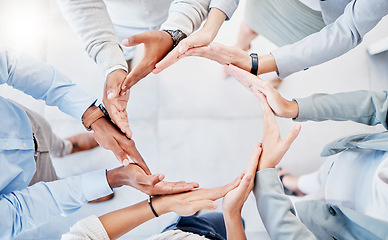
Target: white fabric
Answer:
pixel 313 4
pixel 357 179
pixel 89 228
pixel 176 235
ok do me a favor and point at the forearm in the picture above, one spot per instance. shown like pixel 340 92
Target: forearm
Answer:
pixel 276 210
pixel 333 40
pixel 36 205
pixel 91 22
pixel 214 22
pixel 234 225
pixel 187 15
pixel 43 82
pixel 226 6
pixel 365 107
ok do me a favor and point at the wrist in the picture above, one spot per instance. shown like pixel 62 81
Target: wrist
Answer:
pixel 160 205
pixel 267 64
pixel 293 109
pixel 115 178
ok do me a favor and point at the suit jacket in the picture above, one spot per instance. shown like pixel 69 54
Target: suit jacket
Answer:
pixel 346 24
pixel 318 219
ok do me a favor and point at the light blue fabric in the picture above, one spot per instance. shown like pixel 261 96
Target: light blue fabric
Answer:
pixel 346 27
pixel 366 107
pixel 227 6
pixel 23 208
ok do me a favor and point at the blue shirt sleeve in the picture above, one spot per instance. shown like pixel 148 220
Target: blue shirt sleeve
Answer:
pixel 43 82
pixel 227 6
pixel 36 205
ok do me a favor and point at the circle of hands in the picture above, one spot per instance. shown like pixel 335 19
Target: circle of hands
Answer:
pixel 157 57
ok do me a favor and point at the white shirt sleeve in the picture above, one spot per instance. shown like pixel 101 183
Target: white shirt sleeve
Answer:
pixel 89 228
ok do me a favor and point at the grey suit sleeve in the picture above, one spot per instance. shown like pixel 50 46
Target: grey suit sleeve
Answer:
pixel 337 38
pixel 365 107
pixel 276 209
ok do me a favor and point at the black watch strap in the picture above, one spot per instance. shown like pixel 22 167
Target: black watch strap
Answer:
pixel 176 35
pixel 255 63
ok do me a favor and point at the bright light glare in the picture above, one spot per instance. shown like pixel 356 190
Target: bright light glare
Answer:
pixel 24 30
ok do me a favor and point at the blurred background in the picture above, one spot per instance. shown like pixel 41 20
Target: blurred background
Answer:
pixel 190 122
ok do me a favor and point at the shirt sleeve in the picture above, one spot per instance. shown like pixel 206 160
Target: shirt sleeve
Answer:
pixel 91 22
pixel 227 6
pixel 37 204
pixel 89 228
pixel 365 107
pixel 186 15
pixel 337 38
pixel 276 209
pixel 43 82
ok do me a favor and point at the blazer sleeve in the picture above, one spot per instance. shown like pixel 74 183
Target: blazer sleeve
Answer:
pixel 276 209
pixel 337 38
pixel 365 107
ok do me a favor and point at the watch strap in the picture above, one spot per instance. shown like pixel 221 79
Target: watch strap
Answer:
pixel 176 35
pixel 255 63
pixel 94 116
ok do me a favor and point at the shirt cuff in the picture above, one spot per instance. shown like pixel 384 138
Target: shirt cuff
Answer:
pixel 227 7
pixel 110 56
pixel 305 106
pixel 95 185
pixel 267 181
pixel 284 64
pixel 114 68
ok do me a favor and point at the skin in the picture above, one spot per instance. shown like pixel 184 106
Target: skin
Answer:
pixel 121 221
pixel 198 39
pixel 110 137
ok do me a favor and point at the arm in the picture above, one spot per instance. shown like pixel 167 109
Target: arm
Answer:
pixel 276 209
pixel 91 22
pixel 365 107
pixel 333 40
pixel 117 223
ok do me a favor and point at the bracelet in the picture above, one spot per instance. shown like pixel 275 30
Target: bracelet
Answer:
pixel 152 208
pixel 255 63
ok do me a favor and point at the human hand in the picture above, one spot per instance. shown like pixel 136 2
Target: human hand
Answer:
pixel 156 46
pixel 200 38
pixel 186 204
pixel 279 105
pixel 273 146
pixel 223 55
pixel 110 137
pixel 235 199
pixel 134 176
pixel 115 103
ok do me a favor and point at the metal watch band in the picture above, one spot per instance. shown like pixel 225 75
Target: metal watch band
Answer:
pixel 255 63
pixel 176 35
pixel 96 114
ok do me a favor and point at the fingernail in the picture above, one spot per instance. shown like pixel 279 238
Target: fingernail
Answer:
pixel 110 95
pixel 298 127
pixel 124 87
pixel 125 42
pixel 181 50
pixel 125 162
pixel 214 205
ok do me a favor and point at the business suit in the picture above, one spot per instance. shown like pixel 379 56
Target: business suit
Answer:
pixel 346 24
pixel 319 220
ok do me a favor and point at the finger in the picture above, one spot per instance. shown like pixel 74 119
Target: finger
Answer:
pixel 195 206
pixel 173 187
pixel 244 187
pixel 119 153
pixel 292 135
pixel 242 76
pixel 128 145
pixel 140 71
pixel 150 180
pixel 268 115
pixel 171 58
pixel 135 39
pixel 218 192
pixel 254 160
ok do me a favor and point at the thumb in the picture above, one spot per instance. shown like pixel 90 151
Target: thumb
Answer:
pixel 184 45
pixel 292 136
pixel 151 180
pixel 203 204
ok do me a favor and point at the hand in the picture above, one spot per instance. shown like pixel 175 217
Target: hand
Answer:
pixel 156 45
pixel 223 55
pixel 115 103
pixel 134 176
pixel 280 106
pixel 110 137
pixel 235 199
pixel 198 39
pixel 274 147
pixel 186 204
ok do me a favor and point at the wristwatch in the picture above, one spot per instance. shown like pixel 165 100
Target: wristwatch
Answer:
pixel 94 116
pixel 255 63
pixel 176 35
